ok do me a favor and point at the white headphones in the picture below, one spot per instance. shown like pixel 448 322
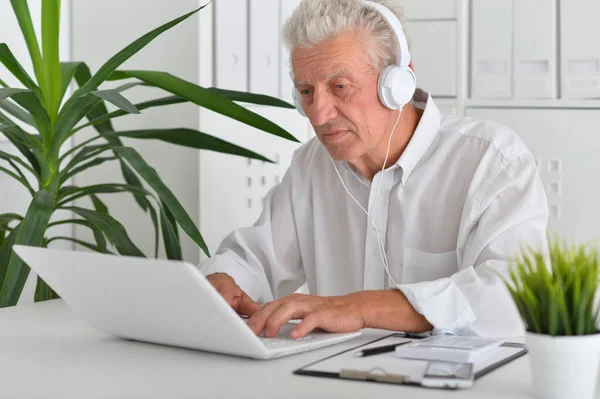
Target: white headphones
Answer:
pixel 397 82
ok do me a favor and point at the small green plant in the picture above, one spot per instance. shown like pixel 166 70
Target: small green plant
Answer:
pixel 556 298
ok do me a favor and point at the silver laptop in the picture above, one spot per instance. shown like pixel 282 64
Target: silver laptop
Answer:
pixel 159 301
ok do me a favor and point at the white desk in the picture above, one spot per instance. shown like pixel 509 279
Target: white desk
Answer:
pixel 45 351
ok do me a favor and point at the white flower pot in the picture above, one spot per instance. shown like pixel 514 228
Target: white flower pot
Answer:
pixel 563 367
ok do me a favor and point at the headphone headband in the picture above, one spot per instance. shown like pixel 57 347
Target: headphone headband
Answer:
pixel 395 24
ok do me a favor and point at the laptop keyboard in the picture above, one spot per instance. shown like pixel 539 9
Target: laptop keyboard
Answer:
pixel 283 339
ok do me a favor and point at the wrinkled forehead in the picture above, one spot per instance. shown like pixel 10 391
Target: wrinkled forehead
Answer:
pixel 337 57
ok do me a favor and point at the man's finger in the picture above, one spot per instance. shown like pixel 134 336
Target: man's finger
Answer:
pixel 259 319
pixel 227 289
pixel 229 297
pixel 247 306
pixel 290 310
pixel 309 323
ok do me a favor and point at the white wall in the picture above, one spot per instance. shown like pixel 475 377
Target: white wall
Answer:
pixel 100 30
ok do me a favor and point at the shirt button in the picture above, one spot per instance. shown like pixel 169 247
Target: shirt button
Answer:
pixel 376 252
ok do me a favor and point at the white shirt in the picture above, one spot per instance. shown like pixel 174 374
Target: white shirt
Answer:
pixel 462 198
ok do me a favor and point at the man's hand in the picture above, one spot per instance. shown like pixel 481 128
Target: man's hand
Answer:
pixel 389 310
pixel 233 294
pixel 334 314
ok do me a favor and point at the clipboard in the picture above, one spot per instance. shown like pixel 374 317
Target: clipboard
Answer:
pixel 389 369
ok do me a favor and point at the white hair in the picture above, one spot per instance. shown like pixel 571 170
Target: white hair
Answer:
pixel 316 21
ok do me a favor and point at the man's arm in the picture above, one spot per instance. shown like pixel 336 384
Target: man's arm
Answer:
pixel 390 310
pixel 387 310
pixel 512 212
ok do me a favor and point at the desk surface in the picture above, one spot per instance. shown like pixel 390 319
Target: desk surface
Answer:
pixel 46 351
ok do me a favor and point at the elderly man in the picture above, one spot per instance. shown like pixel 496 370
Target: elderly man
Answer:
pixel 396 216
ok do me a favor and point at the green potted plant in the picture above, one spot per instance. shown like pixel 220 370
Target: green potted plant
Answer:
pixel 555 294
pixel 38 118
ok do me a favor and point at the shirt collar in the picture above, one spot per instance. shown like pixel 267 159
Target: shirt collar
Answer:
pixel 424 134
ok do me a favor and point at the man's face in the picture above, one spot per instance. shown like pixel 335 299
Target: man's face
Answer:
pixel 338 88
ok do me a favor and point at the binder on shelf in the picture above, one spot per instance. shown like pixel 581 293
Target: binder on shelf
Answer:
pixel 264 47
pixel 231 48
pixel 491 39
pixel 580 54
pixel 428 10
pixel 535 49
pixel 435 43
pixel 285 83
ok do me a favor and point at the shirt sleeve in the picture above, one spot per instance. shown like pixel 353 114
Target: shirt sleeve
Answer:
pixel 511 212
pixel 264 259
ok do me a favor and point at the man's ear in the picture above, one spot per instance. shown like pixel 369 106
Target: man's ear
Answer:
pixel 411 66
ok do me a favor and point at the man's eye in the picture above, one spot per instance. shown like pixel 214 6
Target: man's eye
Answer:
pixel 340 86
pixel 305 92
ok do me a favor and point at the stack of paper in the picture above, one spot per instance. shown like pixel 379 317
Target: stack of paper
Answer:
pixel 447 348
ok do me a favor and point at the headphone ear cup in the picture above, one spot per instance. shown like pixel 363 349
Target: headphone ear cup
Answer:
pixel 396 86
pixel 407 85
pixel 298 101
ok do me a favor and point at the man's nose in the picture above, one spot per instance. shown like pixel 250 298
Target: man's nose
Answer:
pixel 322 109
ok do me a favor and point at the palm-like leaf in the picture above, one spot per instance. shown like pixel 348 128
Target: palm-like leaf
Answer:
pixel 210 99
pixel 10 62
pixel 137 162
pixel 31 232
pixel 51 61
pixel 44 160
pixel 21 9
pixel 17 112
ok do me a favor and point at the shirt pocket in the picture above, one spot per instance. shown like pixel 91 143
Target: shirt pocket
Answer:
pixel 427 266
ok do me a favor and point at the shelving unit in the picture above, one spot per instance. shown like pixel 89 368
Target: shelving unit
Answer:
pixel 533 104
pixel 465 102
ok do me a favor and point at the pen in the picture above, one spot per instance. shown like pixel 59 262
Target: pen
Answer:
pixel 412 335
pixel 378 350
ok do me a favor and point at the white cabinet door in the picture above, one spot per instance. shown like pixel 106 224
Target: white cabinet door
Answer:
pixel 287 7
pixel 231 44
pixel 565 144
pixel 264 47
pixel 434 54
